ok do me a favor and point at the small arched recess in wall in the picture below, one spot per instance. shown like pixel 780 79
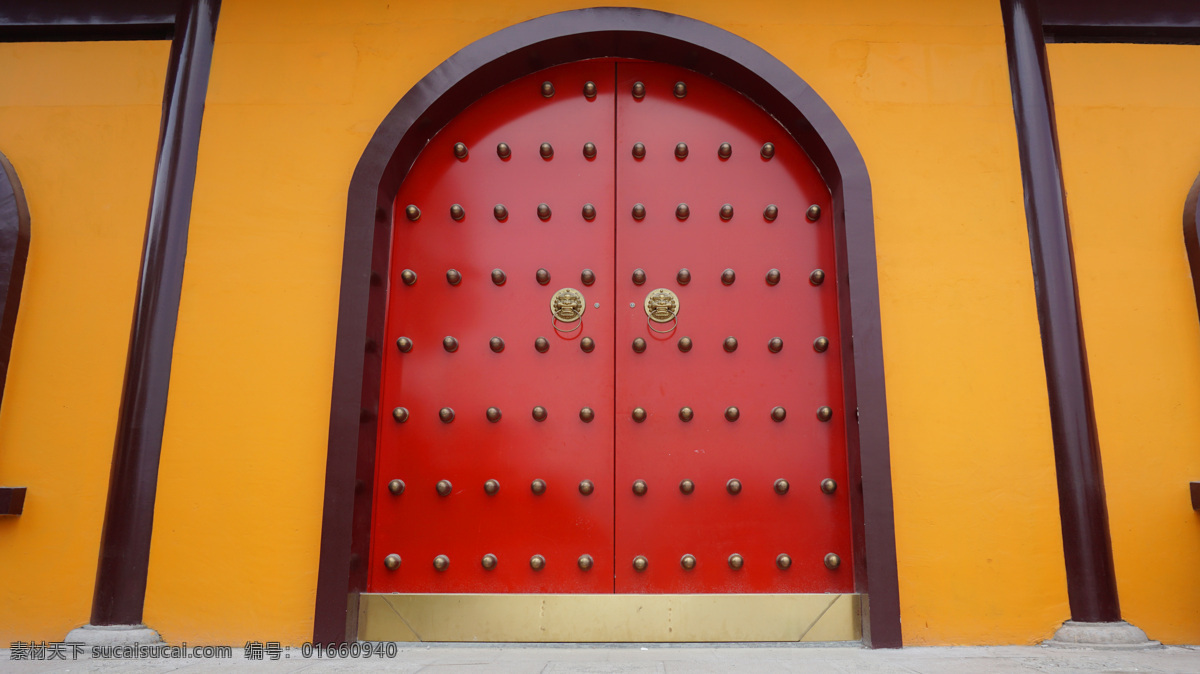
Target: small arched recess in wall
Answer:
pixel 14 250
pixel 1191 240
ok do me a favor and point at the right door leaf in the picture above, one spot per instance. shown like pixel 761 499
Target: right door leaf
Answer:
pixel 731 472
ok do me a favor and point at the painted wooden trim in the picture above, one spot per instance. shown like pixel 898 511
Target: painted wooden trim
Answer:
pixel 14 252
pixel 78 20
pixel 1191 241
pixel 1146 21
pixel 120 590
pixel 1091 578
pixel 12 500
pixel 1191 234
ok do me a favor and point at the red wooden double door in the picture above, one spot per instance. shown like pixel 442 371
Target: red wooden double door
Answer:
pixel 613 359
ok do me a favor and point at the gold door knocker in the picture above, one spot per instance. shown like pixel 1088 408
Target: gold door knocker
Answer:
pixel 567 306
pixel 662 306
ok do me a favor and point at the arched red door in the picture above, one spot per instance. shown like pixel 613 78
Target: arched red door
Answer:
pixel 613 356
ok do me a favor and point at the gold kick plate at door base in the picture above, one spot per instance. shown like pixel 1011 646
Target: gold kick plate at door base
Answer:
pixel 627 618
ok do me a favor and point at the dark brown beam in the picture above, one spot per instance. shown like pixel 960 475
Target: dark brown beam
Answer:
pixel 12 500
pixel 129 517
pixel 79 20
pixel 1151 21
pixel 1091 580
pixel 87 12
pixel 1121 13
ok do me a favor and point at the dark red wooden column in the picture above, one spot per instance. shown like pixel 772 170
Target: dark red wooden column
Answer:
pixel 1091 580
pixel 129 517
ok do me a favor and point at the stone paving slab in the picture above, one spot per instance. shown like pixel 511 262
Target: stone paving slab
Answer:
pixel 670 659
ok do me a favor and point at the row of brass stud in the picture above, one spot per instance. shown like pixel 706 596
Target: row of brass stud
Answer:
pixel 824 414
pixel 488 562
pixel 499 211
pixel 587 414
pixel 731 486
pixel 682 212
pixel 728 276
pixel 546 151
pixel 585 562
pixel 587 344
pixel 504 151
pixel 724 151
pixel 638 90
pixel 730 344
pixel 683 277
pixel 770 212
pixel 586 487
pixel 736 561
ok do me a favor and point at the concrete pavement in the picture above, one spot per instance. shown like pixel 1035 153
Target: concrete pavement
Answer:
pixel 604 658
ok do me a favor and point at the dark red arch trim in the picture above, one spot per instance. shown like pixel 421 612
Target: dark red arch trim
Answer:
pixel 14 251
pixel 1191 234
pixel 523 49
pixel 1191 240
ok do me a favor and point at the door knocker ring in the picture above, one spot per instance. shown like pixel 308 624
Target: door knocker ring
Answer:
pixel 662 306
pixel 567 306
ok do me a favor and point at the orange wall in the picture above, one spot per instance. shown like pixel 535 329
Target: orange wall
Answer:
pixel 296 91
pixel 79 121
pixel 1130 138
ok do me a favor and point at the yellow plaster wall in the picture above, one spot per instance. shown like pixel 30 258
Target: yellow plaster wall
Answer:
pixel 296 91
pixel 1127 127
pixel 79 121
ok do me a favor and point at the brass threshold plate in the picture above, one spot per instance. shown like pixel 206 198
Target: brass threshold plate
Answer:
pixel 629 618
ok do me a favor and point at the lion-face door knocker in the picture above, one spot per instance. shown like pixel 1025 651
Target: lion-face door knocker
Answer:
pixel 662 306
pixel 567 306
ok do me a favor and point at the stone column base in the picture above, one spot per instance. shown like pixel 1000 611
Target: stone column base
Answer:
pixel 1109 636
pixel 113 635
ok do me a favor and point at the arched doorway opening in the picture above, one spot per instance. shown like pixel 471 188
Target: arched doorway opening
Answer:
pixel 369 273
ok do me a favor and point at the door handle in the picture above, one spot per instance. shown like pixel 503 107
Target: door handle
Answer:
pixel 662 306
